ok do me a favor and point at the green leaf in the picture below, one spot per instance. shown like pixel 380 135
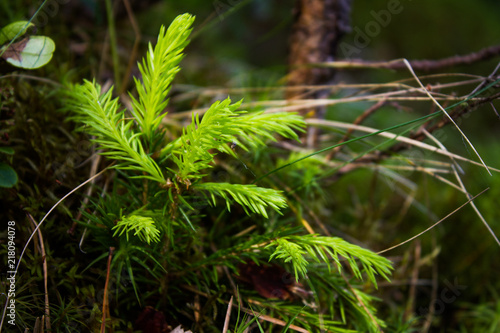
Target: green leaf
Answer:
pixel 8 177
pixel 7 150
pixel 14 29
pixel 29 53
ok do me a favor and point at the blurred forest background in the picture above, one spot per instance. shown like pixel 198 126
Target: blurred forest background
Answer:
pixel 245 44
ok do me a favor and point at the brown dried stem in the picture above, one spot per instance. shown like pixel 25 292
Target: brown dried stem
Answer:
pixel 420 65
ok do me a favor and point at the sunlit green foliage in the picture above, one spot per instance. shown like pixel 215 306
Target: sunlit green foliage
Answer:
pixel 174 178
pixel 160 223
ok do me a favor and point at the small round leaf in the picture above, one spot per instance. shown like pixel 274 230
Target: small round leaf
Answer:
pixel 8 177
pixel 30 53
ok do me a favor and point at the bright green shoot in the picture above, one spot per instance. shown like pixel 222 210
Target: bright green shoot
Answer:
pixel 295 249
pixel 157 212
pixel 158 70
pixel 135 141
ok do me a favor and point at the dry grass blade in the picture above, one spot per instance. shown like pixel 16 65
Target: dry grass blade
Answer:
pixel 464 190
pixel 435 224
pixel 228 315
pixel 389 135
pixel 189 93
pixel 38 226
pixel 274 320
pixel 475 208
pixel 444 111
pixel 249 311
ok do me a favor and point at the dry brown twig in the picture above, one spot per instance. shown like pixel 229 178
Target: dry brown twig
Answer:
pixel 357 121
pixel 250 312
pixel 105 301
pixel 421 65
pixel 45 273
pixel 228 315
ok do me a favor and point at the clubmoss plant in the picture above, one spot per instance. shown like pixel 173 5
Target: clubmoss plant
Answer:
pixel 163 212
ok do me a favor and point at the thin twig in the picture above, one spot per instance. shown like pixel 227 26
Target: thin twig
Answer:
pixel 261 316
pixel 271 319
pixel 494 109
pixel 105 306
pixel 228 315
pixel 390 135
pixel 45 273
pixel 419 135
pixel 475 208
pixel 357 121
pixel 195 92
pixel 51 209
pixel 426 91
pixel 293 106
pixel 473 92
pixel 422 65
pixel 454 167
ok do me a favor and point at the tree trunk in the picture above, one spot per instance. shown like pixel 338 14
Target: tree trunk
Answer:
pixel 318 27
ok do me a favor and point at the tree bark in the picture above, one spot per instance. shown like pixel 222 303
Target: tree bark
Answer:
pixel 318 27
